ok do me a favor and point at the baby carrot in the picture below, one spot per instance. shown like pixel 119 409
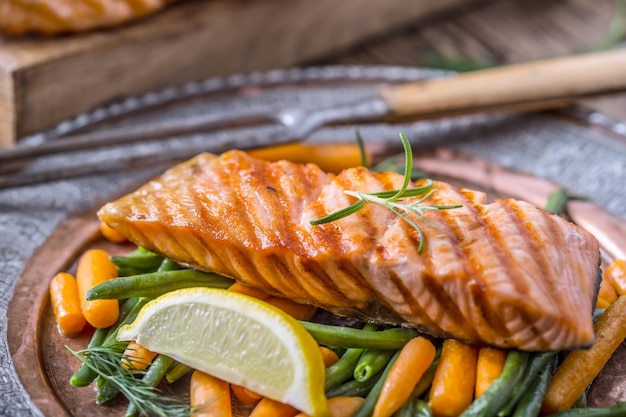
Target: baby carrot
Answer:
pixel 66 304
pixel 342 406
pixel 488 368
pixel 452 390
pixel 136 357
pixel 252 292
pixel 295 310
pixel 580 367
pixel 95 267
pixel 271 408
pixel 415 357
pixel 607 293
pixel 616 274
pixel 329 157
pixel 244 395
pixel 209 396
pixel 328 356
pixel 111 234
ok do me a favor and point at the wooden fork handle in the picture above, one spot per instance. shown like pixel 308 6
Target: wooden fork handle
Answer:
pixel 534 85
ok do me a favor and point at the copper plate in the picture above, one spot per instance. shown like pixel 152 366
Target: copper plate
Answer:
pixel 519 156
pixel 44 363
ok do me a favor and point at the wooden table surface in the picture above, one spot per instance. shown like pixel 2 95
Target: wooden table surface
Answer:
pixel 500 32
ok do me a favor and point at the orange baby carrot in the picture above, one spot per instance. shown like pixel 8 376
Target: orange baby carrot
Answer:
pixel 271 408
pixel 296 310
pixel 329 157
pixel 452 390
pixel 250 291
pixel 606 293
pixel 615 273
pixel 111 234
pixel 66 304
pixel 488 368
pixel 602 303
pixel 95 267
pixel 415 357
pixel 136 357
pixel 328 356
pixel 580 367
pixel 341 406
pixel 244 395
pixel 209 396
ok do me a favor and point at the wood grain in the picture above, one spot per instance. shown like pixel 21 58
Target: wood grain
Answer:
pixel 48 80
pixel 500 32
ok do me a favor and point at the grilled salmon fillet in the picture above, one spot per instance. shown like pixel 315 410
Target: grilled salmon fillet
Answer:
pixel 506 273
pixel 53 17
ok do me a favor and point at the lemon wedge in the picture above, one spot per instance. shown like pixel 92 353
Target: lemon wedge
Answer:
pixel 239 339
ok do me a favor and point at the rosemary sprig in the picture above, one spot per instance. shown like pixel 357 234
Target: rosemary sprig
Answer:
pixel 106 362
pixel 393 199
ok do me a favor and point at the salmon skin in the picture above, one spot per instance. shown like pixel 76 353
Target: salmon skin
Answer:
pixel 505 274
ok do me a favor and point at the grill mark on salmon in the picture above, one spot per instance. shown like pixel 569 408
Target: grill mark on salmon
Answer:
pixel 461 226
pixel 352 281
pixel 414 307
pixel 505 273
pixel 528 238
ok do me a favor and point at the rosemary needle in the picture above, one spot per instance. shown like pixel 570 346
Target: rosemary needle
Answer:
pixel 393 199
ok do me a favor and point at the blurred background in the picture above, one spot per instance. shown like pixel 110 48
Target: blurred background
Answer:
pixel 53 68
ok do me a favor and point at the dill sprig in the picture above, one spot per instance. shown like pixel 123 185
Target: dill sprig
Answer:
pixel 393 199
pixel 106 361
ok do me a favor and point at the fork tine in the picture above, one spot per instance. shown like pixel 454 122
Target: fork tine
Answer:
pixel 169 128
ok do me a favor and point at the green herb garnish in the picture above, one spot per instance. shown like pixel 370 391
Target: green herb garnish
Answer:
pixel 148 400
pixel 393 199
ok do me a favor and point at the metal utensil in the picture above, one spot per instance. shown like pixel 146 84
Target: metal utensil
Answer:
pixel 531 86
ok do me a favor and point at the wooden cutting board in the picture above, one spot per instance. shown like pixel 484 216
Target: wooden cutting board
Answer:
pixel 46 80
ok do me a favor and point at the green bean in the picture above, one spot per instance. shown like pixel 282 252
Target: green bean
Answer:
pixel 498 394
pixel 168 265
pixel 536 362
pixel 343 369
pixel 176 372
pixel 557 201
pixel 85 375
pixel 139 261
pixel 371 362
pixel 370 401
pixel 422 409
pixel 618 410
pixel 107 391
pixel 597 313
pixel 154 284
pixel 352 388
pixel 530 403
pixel 415 407
pixel 355 338
pixel 151 378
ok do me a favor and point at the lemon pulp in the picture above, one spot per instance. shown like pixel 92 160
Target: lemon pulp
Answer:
pixel 237 338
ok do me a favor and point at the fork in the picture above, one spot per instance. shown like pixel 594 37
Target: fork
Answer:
pixel 539 85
